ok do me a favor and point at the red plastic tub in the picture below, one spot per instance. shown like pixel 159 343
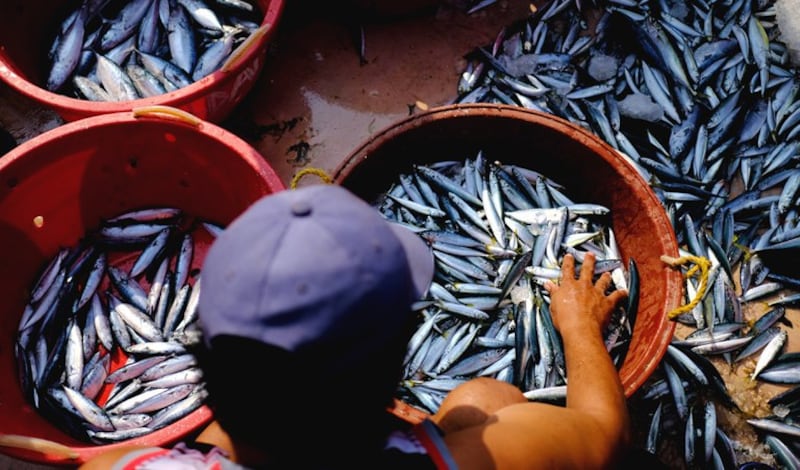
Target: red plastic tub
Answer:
pixel 590 169
pixel 59 185
pixel 27 31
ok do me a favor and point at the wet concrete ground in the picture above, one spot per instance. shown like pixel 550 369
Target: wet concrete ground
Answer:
pixel 317 101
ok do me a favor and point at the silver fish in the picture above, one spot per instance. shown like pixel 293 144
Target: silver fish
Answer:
pixel 67 52
pixel 93 414
pixel 125 23
pixel 214 56
pixel 770 352
pixel 179 409
pixel 202 14
pixel 182 39
pixel 134 369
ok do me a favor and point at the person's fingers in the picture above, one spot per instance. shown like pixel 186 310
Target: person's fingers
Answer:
pixel 604 281
pixel 617 296
pixel 568 268
pixel 550 286
pixel 587 268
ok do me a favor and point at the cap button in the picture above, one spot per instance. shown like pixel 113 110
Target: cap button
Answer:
pixel 301 209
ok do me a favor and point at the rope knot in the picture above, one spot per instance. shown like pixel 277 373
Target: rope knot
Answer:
pixel 701 264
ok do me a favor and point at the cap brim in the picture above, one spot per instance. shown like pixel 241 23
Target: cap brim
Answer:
pixel 420 258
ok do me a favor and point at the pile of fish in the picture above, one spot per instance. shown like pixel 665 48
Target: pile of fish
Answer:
pixel 105 353
pixel 701 98
pixel 498 232
pixel 120 50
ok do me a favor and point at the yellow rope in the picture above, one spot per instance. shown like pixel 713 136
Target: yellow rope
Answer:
pixel 313 171
pixel 700 263
pixel 745 249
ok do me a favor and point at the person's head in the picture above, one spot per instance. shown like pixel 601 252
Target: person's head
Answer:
pixel 306 314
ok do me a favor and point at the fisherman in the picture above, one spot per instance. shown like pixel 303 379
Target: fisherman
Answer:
pixel 306 314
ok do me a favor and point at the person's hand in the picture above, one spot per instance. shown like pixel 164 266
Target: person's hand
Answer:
pixel 578 305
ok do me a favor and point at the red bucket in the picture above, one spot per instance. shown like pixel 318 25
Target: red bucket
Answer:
pixel 589 168
pixel 61 184
pixel 28 30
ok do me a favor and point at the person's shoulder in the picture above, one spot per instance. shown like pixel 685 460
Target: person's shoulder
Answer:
pixel 196 455
pixel 114 458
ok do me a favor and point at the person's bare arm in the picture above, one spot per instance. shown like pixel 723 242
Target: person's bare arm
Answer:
pixel 581 310
pixel 594 426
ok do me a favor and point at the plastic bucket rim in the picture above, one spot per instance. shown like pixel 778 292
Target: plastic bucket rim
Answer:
pixel 231 140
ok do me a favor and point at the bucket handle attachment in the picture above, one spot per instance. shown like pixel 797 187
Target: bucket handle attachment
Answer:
pixel 35 444
pixel 311 171
pixel 173 113
pixel 701 264
pixel 236 56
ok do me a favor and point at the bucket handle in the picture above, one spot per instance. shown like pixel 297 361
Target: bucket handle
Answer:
pixel 236 56
pixel 35 444
pixel 174 113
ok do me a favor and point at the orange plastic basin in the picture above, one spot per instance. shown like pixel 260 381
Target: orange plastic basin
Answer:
pixel 589 169
pixel 61 184
pixel 28 29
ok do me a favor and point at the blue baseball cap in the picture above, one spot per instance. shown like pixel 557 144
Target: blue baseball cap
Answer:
pixel 313 268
